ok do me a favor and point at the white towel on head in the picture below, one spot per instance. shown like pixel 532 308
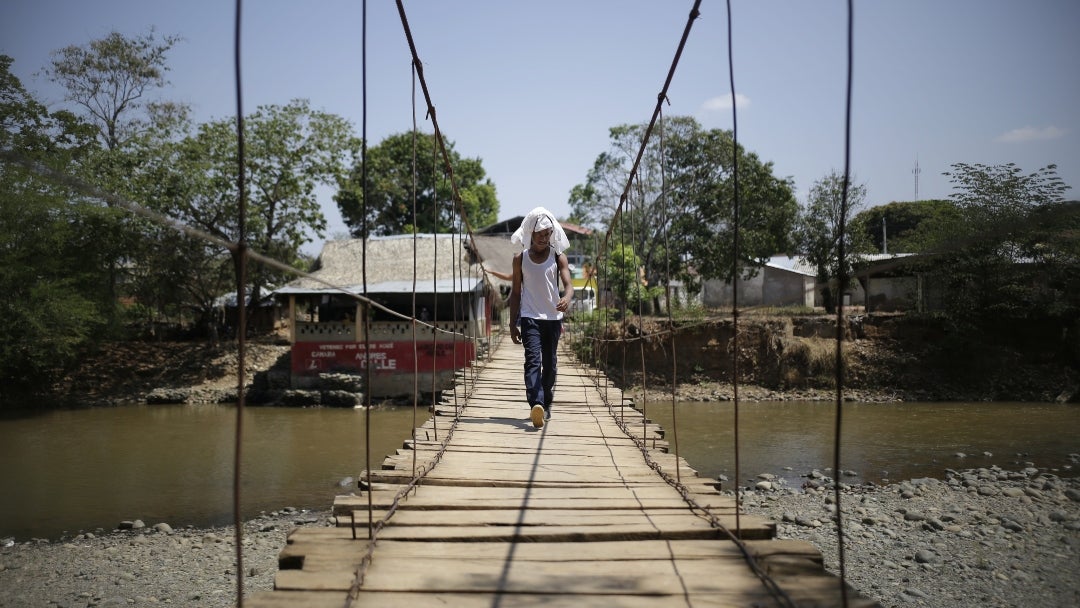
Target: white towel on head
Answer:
pixel 541 219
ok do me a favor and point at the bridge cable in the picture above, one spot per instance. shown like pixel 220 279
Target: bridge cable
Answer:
pixel 368 313
pixel 840 328
pixel 416 355
pixel 734 269
pixel 667 298
pixel 240 261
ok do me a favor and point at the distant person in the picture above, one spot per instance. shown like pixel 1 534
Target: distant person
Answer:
pixel 536 306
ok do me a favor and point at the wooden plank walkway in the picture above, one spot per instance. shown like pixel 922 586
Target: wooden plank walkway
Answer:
pixel 567 515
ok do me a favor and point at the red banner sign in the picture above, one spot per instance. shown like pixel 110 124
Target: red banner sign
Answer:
pixel 313 358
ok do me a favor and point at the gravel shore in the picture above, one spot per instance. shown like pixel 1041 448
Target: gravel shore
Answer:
pixel 148 564
pixel 981 537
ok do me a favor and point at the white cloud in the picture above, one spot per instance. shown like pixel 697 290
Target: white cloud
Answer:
pixel 723 102
pixel 1030 134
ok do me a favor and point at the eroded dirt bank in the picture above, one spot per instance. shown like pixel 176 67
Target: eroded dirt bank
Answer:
pixel 885 358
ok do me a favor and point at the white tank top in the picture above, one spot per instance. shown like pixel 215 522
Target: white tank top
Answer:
pixel 539 287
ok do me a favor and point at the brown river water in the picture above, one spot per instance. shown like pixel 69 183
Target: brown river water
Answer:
pixel 66 471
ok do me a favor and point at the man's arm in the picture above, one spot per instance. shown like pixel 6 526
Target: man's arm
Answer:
pixel 501 275
pixel 567 282
pixel 515 300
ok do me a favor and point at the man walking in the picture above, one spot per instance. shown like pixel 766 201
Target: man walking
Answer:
pixel 536 306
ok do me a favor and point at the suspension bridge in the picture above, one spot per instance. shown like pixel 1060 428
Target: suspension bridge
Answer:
pixel 479 508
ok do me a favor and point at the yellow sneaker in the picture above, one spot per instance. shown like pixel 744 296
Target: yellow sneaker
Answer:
pixel 537 415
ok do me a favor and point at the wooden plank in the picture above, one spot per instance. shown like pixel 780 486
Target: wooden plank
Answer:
pixel 528 516
pixel 547 551
pixel 297 599
pixel 751 529
pixel 433 495
pixel 545 600
pixel 344 507
pixel 550 481
pixel 631 577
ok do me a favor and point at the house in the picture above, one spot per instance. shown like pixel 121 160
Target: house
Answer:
pixel 264 318
pixel 782 281
pixel 881 282
pixel 886 282
pixel 447 293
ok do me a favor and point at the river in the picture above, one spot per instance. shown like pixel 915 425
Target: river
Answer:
pixel 66 471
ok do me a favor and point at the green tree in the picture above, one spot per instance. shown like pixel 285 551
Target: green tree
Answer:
pixel 110 78
pixel 51 266
pixel 1013 252
pixel 391 177
pixel 290 151
pixel 621 271
pixel 110 83
pixel 679 213
pixel 904 227
pixel 820 233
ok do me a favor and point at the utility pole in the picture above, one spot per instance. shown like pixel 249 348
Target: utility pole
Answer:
pixel 884 238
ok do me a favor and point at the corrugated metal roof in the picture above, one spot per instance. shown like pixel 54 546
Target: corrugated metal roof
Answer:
pixel 390 258
pixel 464 284
pixel 799 265
pixel 796 264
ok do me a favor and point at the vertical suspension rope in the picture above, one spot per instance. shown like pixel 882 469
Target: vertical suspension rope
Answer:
pixel 734 270
pixel 640 313
pixel 622 304
pixel 667 300
pixel 363 268
pixel 239 258
pixel 415 351
pixel 434 278
pixel 457 297
pixel 842 278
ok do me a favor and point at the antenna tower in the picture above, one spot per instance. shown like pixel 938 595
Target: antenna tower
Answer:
pixel 916 171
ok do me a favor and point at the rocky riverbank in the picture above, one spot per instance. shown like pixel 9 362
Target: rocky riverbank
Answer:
pixel 145 565
pixel 978 538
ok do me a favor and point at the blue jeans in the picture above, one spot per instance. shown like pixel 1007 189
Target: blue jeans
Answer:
pixel 541 340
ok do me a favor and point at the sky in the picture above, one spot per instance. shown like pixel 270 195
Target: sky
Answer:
pixel 533 88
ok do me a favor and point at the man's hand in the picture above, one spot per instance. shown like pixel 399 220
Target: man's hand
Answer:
pixel 515 334
pixel 564 304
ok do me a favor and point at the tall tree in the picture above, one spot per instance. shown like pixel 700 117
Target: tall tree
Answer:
pixel 290 151
pixel 110 83
pixel 51 262
pixel 820 233
pixel 110 78
pixel 1013 252
pixel 391 177
pixel 679 212
pixel 904 226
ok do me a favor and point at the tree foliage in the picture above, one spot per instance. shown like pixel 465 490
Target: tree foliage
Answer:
pixel 1013 251
pixel 904 227
pixel 52 267
pixel 290 151
pixel 77 267
pixel 828 221
pixel 405 166
pixel 621 271
pixel 109 84
pixel 679 213
pixel 109 79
